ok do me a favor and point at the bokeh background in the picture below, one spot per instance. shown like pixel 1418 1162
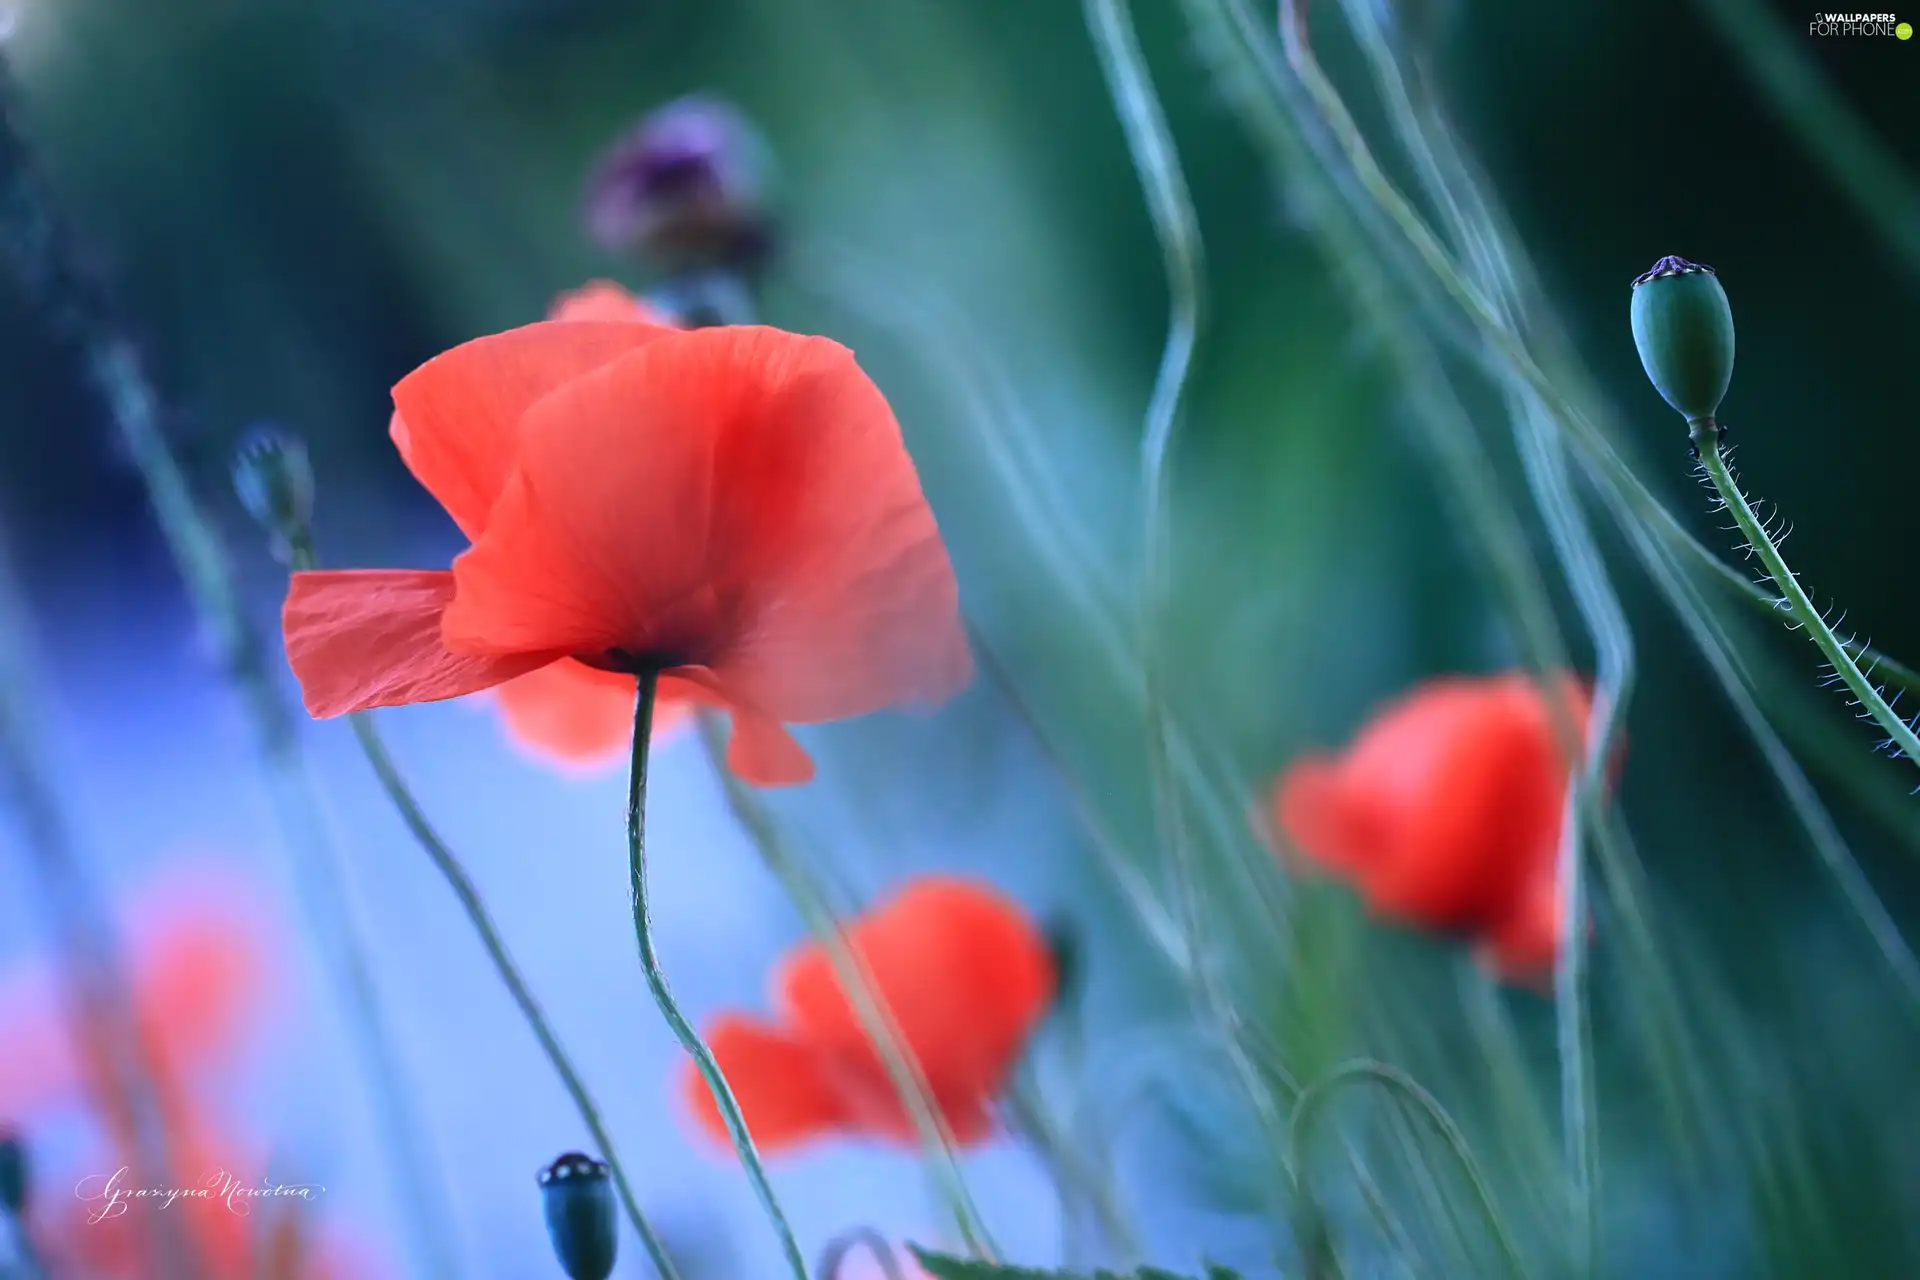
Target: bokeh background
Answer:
pixel 297 203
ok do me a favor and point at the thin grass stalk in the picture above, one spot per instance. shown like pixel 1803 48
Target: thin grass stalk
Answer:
pixel 367 734
pixel 908 305
pixel 1171 208
pixel 1072 1174
pixel 1419 1103
pixel 102 1018
pixel 1864 168
pixel 850 970
pixel 115 369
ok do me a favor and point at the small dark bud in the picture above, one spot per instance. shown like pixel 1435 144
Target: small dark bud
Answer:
pixel 686 191
pixel 1683 326
pixel 274 480
pixel 1063 944
pixel 13 1174
pixel 577 1196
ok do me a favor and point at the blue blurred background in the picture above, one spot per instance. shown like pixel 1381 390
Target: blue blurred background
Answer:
pixel 297 203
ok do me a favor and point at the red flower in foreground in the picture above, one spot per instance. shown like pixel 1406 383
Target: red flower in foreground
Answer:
pixel 200 977
pixel 733 507
pixel 967 977
pixel 1446 811
pixel 569 713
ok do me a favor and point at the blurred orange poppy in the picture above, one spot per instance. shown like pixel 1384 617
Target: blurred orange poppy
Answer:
pixel 1445 812
pixel 200 973
pixel 733 507
pixel 967 977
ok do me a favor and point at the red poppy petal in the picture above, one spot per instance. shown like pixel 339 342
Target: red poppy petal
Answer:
pixel 605 300
pixel 361 638
pixel 736 497
pixel 1327 825
pixel 457 416
pixel 964 972
pixel 776 1080
pixel 580 717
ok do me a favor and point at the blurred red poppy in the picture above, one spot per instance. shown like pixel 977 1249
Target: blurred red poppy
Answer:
pixel 733 507
pixel 967 977
pixel 1446 813
pixel 201 973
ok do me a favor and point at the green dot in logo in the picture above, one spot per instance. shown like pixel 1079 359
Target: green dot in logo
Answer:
pixel 1904 30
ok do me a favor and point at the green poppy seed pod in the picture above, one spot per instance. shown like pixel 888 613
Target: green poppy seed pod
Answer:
pixel 577 1196
pixel 13 1174
pixel 274 480
pixel 1684 329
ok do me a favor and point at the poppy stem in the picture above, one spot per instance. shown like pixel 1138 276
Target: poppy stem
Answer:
pixel 856 979
pixel 1793 597
pixel 451 869
pixel 683 1030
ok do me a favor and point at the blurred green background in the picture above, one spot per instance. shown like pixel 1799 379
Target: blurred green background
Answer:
pixel 299 202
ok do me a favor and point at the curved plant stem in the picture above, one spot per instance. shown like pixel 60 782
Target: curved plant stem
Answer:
pixel 1423 1104
pixel 455 874
pixel 450 868
pixel 851 972
pixel 683 1030
pixel 1706 438
pixel 1178 229
pixel 841 1247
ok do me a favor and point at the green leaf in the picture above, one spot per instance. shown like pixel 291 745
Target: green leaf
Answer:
pixel 941 1267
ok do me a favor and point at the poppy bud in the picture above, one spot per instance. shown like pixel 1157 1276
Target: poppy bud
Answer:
pixel 686 190
pixel 274 480
pixel 1684 329
pixel 1063 947
pixel 13 1174
pixel 577 1197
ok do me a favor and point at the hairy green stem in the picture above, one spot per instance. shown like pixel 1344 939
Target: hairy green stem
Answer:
pixel 683 1030
pixel 856 979
pixel 1706 437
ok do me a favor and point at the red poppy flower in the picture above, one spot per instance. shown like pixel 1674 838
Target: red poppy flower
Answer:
pixel 733 507
pixel 1446 812
pixel 200 974
pixel 570 714
pixel 966 975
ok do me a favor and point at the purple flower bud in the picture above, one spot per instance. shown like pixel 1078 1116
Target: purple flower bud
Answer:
pixel 685 190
